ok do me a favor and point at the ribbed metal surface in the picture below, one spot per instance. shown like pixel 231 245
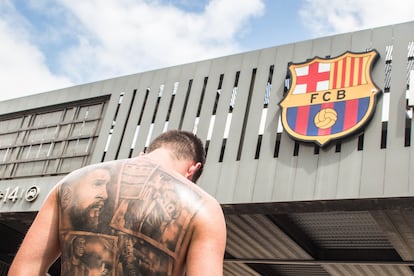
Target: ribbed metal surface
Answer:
pixel 368 270
pixel 342 230
pixel 301 240
pixel 4 268
pixel 235 269
pixel 255 236
pixel 296 270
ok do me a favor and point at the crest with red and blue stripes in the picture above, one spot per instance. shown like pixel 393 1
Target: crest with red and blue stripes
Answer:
pixel 329 98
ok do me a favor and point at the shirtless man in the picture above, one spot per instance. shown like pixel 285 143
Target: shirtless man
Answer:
pixel 139 216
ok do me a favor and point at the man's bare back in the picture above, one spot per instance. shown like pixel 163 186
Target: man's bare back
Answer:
pixel 149 212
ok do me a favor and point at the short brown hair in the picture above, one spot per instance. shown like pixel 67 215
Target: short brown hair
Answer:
pixel 184 144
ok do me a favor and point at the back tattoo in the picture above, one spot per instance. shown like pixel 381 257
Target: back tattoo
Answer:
pixel 129 218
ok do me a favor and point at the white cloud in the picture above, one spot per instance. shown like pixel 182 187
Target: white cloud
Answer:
pixel 90 40
pixel 22 66
pixel 324 17
pixel 94 39
pixel 124 36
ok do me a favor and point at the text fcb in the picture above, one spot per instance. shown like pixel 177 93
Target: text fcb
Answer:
pixel 331 98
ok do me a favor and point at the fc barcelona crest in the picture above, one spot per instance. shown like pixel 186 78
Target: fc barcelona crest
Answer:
pixel 331 98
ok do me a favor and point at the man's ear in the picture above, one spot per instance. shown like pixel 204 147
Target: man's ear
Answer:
pixel 192 169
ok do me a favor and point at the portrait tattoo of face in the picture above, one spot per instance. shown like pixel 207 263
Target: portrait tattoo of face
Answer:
pixel 85 198
pixel 88 254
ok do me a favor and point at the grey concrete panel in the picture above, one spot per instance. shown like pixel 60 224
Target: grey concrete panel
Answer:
pixel 150 108
pixel 216 69
pixel 231 166
pixel 373 157
pixel 134 126
pixel 132 101
pixel 286 163
pixel 265 171
pixel 214 151
pixel 397 157
pixel 106 88
pixel 187 74
pixel 161 118
pixel 202 71
pixel 119 90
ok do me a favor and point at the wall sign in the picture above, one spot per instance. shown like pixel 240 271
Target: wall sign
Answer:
pixel 331 98
pixel 16 193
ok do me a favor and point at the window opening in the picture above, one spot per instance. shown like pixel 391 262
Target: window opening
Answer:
pixel 409 106
pixel 190 83
pixel 111 130
pixel 213 114
pixel 263 117
pixel 386 97
pixel 229 115
pixel 141 114
pixel 126 122
pixel 200 104
pixel 246 114
pixel 154 115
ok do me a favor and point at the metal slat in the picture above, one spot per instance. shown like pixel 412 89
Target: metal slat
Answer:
pixel 119 90
pixel 397 157
pixel 230 165
pixel 248 170
pixel 216 69
pixel 373 158
pixel 222 192
pixel 138 83
pixel 167 94
pixel 202 71
pixel 145 130
pixel 286 164
pixel 211 175
pixel 186 75
pixel 266 165
pixel 249 114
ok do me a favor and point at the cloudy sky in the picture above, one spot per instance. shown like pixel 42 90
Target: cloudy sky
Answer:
pixel 51 44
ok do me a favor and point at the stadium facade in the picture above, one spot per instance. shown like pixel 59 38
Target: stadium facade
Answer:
pixel 309 149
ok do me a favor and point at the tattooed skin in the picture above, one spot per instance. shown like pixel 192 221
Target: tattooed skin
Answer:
pixel 132 218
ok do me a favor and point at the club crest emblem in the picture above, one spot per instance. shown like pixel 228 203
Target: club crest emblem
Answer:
pixel 329 99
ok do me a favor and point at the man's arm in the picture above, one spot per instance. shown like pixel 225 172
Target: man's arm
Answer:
pixel 40 247
pixel 206 252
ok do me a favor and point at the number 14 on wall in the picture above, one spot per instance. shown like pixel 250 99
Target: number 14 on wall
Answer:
pixel 15 193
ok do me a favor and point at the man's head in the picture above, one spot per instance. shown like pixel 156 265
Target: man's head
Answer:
pixel 184 146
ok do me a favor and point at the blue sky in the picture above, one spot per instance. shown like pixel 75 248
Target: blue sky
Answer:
pixel 52 44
